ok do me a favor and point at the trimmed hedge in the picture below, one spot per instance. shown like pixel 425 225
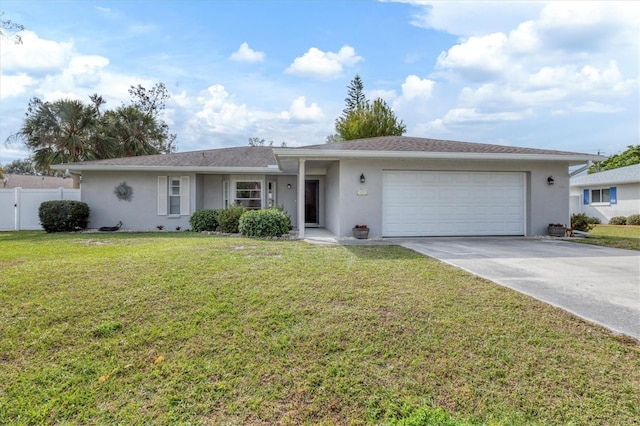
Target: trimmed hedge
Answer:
pixel 634 219
pixel 204 220
pixel 63 215
pixel 264 223
pixel 228 219
pixel 618 220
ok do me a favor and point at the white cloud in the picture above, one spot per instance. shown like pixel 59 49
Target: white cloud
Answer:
pixel 246 54
pixel 416 88
pixel 13 85
pixel 458 116
pixel 299 111
pixel 597 107
pixel 324 65
pixel 34 54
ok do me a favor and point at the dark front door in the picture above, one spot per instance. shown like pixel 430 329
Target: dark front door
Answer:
pixel 311 205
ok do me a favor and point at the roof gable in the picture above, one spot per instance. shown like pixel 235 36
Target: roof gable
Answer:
pixel 628 174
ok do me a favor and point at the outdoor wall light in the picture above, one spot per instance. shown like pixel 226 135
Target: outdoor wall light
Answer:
pixel 362 179
pixel 550 180
pixel 288 186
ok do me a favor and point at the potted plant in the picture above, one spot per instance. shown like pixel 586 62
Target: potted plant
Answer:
pixel 361 232
pixel 556 230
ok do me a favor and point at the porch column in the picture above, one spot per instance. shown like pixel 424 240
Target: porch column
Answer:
pixel 301 199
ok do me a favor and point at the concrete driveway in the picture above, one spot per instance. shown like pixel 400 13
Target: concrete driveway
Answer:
pixel 599 284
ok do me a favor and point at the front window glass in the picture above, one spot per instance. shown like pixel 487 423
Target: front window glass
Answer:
pixel 249 194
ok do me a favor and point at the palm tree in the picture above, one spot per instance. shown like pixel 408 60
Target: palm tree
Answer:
pixel 132 132
pixel 59 132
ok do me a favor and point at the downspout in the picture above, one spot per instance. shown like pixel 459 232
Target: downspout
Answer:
pixel 301 199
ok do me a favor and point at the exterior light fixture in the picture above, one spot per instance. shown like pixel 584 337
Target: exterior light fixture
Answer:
pixel 288 186
pixel 550 180
pixel 362 179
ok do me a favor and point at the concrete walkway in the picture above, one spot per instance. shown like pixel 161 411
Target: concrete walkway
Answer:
pixel 598 284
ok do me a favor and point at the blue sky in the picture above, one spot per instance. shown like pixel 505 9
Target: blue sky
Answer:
pixel 559 75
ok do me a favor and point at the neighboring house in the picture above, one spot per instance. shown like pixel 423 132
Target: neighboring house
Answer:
pixel 398 186
pixel 34 182
pixel 607 194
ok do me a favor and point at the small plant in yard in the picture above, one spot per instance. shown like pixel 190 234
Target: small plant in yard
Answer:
pixel 360 226
pixel 634 219
pixel 106 329
pixel 63 216
pixel 618 220
pixel 263 223
pixel 160 227
pixel 581 222
pixel 204 220
pixel 229 218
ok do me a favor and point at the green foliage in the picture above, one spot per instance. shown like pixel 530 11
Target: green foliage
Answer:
pixel 63 215
pixel 634 219
pixel 204 220
pixel 106 329
pixel 229 218
pixel 581 222
pixel 65 130
pixel 264 223
pixel 618 220
pixel 408 415
pixel 19 167
pixel 363 119
pixel 628 158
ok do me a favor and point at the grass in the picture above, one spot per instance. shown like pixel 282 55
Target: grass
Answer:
pixel 616 236
pixel 182 328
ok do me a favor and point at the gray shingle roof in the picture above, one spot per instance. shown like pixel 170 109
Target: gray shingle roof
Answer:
pixel 628 174
pixel 413 144
pixel 243 156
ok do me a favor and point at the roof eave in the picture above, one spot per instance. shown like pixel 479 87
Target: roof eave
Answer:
pixel 165 169
pixel 338 154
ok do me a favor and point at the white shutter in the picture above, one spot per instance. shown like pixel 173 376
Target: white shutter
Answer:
pixel 162 195
pixel 185 189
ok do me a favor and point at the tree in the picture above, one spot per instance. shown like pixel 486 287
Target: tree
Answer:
pixel 629 157
pixel 363 119
pixel 129 132
pixel 59 132
pixel 19 167
pixel 10 29
pixel 67 130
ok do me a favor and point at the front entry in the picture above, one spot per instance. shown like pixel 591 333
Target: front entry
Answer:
pixel 311 203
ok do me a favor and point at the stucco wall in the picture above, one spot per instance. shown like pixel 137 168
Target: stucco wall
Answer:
pixel 141 213
pixel 544 203
pixel 628 202
pixel 332 198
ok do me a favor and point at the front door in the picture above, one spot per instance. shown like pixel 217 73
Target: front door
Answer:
pixel 311 204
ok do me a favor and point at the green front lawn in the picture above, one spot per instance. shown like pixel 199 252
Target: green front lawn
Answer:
pixel 182 328
pixel 616 236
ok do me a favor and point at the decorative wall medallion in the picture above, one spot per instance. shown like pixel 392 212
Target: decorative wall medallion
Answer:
pixel 123 191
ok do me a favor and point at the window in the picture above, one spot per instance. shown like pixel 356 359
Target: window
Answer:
pixel 600 196
pixel 249 194
pixel 271 194
pixel 173 195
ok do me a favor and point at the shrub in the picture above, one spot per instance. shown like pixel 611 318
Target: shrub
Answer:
pixel 63 215
pixel 634 219
pixel 618 220
pixel 581 222
pixel 204 220
pixel 264 223
pixel 228 219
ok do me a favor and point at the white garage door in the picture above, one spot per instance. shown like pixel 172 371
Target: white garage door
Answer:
pixel 419 203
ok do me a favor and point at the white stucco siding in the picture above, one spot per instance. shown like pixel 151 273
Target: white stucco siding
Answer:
pixel 628 202
pixel 141 213
pixel 544 203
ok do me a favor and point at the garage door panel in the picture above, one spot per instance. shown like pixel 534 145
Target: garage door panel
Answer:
pixel 453 203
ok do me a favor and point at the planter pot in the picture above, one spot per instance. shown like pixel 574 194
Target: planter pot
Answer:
pixel 556 231
pixel 361 233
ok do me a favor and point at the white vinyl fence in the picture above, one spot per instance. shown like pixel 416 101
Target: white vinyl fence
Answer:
pixel 19 207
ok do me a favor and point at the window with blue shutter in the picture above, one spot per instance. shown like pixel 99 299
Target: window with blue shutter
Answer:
pixel 585 200
pixel 613 195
